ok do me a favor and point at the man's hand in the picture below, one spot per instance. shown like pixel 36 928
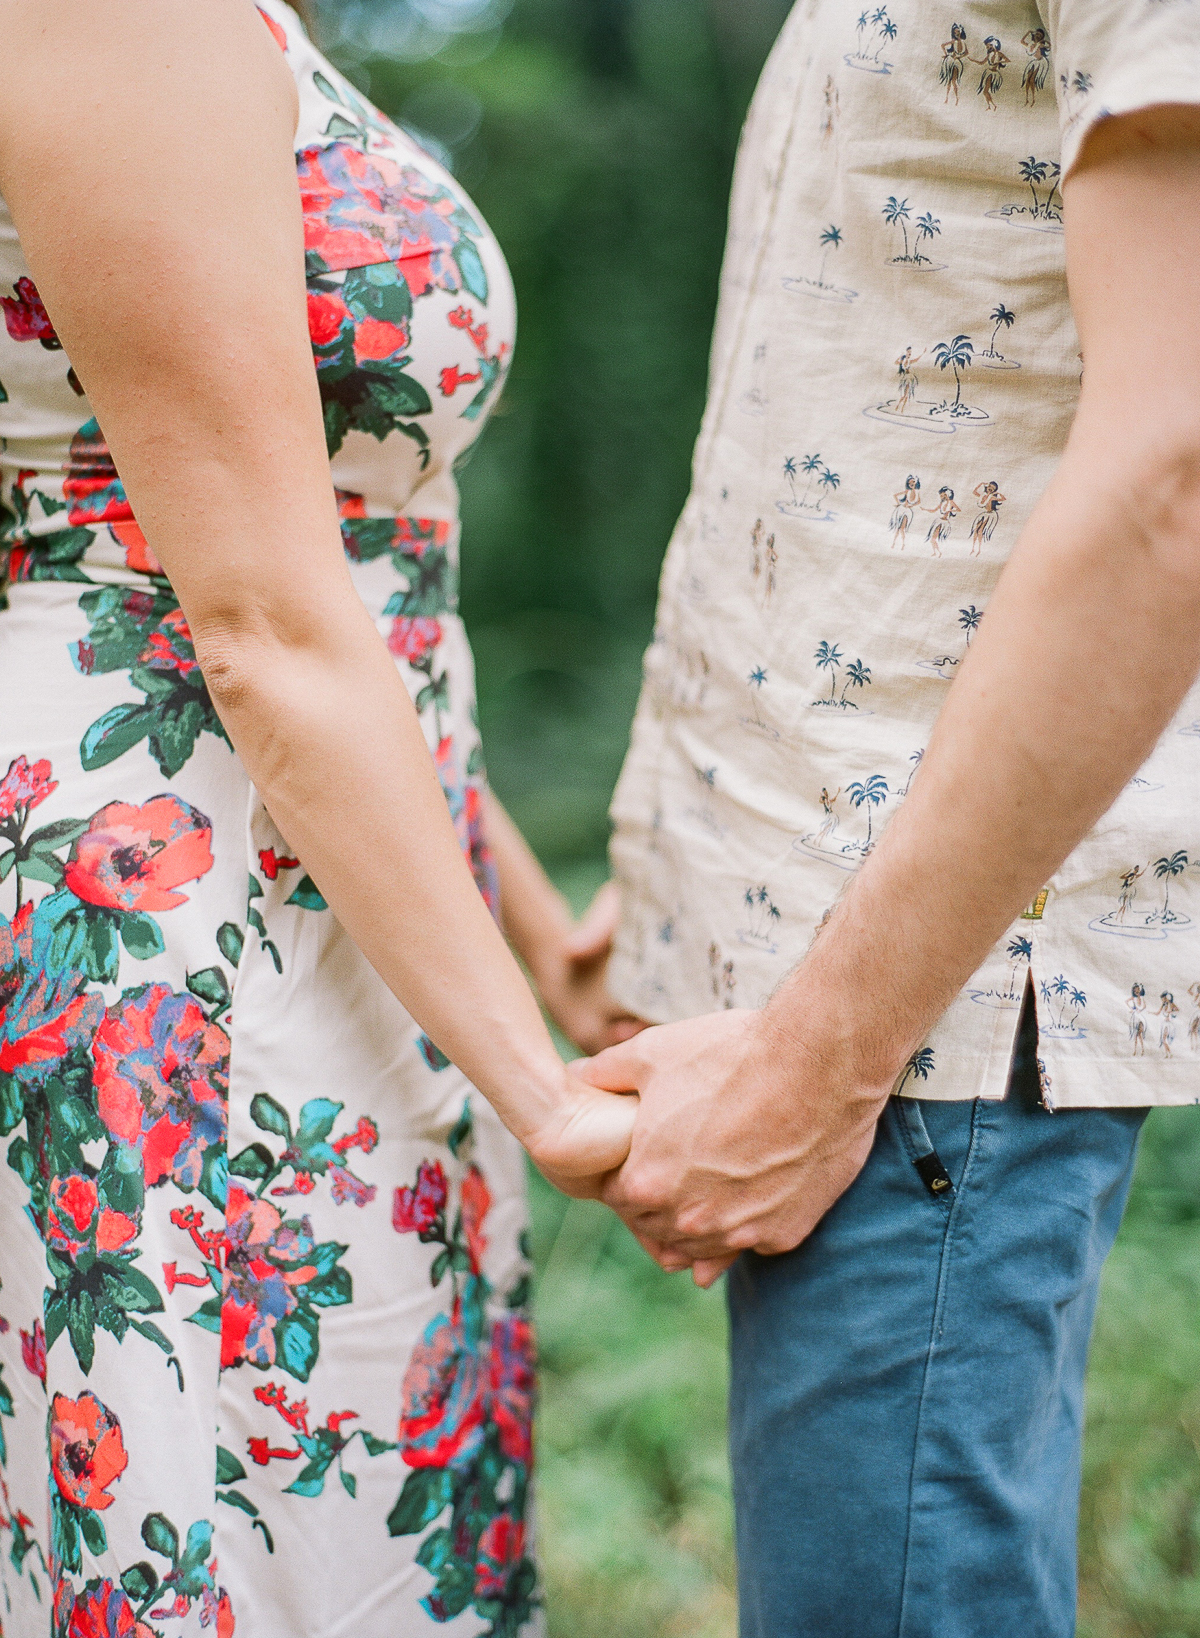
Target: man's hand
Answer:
pixel 743 1141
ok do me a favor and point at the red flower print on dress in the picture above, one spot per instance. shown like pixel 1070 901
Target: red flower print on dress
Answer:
pixel 26 318
pixel 417 1210
pixel 162 1082
pixel 414 637
pixel 277 32
pixel 363 209
pixel 24 787
pixel 268 1262
pixel 374 339
pixel 443 1406
pixel 94 492
pixel 501 1545
pixel 327 312
pixel 453 378
pixel 75 1218
pixel 512 1382
pixel 42 1017
pixel 271 863
pixel 33 1351
pixel 99 1610
pixel 87 1452
pixel 476 1203
pixel 132 858
pixel 134 544
pixel 169 646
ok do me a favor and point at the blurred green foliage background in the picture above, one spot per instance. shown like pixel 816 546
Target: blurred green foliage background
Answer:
pixel 597 137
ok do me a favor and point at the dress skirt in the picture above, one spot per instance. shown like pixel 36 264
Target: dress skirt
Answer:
pixel 265 1363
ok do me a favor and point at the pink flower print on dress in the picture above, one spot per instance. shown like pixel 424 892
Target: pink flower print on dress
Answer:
pixel 512 1375
pixel 26 318
pixel 414 637
pixel 24 787
pixel 417 1210
pixel 87 1452
pixel 132 858
pixel 162 1080
pixel 33 1351
pixel 443 1403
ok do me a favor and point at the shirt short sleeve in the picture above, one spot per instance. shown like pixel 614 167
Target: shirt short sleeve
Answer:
pixel 1116 56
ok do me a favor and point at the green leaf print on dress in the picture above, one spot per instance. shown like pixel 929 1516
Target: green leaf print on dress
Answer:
pixel 466 1413
pixel 142 1080
pixel 145 634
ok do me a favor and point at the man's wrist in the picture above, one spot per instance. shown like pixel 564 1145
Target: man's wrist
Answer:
pixel 823 1027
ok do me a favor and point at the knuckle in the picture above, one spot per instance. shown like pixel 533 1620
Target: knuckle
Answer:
pixel 645 1191
pixel 694 1223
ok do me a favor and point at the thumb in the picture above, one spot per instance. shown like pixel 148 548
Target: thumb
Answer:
pixel 618 1068
pixel 591 938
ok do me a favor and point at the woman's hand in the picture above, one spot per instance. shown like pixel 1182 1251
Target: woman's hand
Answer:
pixel 584 1139
pixel 568 960
pixel 570 970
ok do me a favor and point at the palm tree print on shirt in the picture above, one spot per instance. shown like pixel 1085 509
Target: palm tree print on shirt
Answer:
pixel 824 842
pixel 869 793
pixel 1019 951
pixel 1000 317
pixel 829 242
pixel 927 227
pixel 763 919
pixel 1075 89
pixel 946 415
pixel 957 355
pixel 816 475
pixel 874 32
pixel 828 657
pixel 945 665
pixel 919 1067
pixel 1040 214
pixel 1063 1002
pixel 1153 921
pixel 756 680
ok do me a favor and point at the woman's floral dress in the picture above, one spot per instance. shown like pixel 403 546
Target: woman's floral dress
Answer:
pixel 265 1359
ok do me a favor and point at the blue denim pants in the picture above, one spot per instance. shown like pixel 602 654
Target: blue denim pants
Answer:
pixel 907 1395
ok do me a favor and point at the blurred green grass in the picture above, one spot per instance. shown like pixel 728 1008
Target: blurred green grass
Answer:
pixel 635 1516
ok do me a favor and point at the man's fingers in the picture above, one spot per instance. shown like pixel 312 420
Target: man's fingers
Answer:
pixel 592 936
pixel 708 1271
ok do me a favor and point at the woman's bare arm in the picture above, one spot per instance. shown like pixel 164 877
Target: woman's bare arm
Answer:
pixel 146 155
pixel 567 960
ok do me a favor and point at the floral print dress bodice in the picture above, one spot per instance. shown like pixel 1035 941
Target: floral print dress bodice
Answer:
pixel 266 1365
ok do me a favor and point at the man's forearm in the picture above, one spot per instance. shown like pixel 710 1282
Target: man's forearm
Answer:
pixel 1088 646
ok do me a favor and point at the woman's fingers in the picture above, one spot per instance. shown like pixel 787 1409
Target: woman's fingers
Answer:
pixel 591 939
pixel 707 1271
pixel 587 1137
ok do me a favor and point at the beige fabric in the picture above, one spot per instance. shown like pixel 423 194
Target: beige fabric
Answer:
pixel 894 374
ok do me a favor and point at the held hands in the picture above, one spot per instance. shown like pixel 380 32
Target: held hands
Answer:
pixel 743 1140
pixel 589 1134
pixel 585 1138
